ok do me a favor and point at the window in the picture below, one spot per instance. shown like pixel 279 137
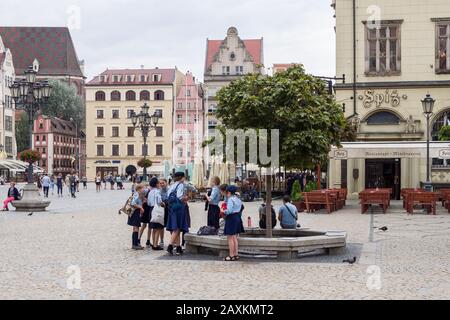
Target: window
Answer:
pixel 9 145
pixel 145 150
pixel 129 79
pixel 156 77
pixel 383 117
pixel 129 113
pixel 115 150
pixel 442 120
pixel 159 112
pixel 159 131
pixel 130 150
pixel 38 138
pixel 188 118
pixel 189 105
pixel 232 56
pixel 225 70
pixel 100 150
pixel 180 152
pixel 180 105
pixel 159 95
pixel 115 114
pixel 100 114
pixel 383 54
pixel 239 70
pixel 130 96
pixel 8 123
pixel 443 47
pixel 159 150
pixel 115 96
pixel 144 95
pixel 130 132
pixel 116 78
pixel 115 132
pixel 188 93
pixel 142 77
pixel 100 96
pixel 179 118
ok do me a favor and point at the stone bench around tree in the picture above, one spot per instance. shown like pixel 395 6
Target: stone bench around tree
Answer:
pixel 285 243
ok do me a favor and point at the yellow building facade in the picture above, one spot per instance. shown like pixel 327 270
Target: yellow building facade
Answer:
pixel 113 146
pixel 392 53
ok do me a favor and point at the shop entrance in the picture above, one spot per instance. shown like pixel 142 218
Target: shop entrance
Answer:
pixel 105 171
pixel 384 173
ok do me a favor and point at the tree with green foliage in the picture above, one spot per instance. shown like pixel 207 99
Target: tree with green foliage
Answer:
pixel 297 104
pixel 444 133
pixel 296 194
pixel 22 133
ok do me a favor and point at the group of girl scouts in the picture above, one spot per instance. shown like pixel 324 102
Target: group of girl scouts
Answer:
pixel 176 214
pixel 177 218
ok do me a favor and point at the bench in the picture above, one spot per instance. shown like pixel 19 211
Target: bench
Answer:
pixel 370 198
pixel 314 201
pixel 425 199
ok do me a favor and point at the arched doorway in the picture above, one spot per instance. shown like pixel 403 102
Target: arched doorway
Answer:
pixel 441 120
pixel 131 170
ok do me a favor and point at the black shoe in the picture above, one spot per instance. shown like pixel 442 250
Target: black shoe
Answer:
pixel 170 249
pixel 148 244
pixel 179 251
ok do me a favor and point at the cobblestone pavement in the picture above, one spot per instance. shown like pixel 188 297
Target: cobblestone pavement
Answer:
pixel 41 254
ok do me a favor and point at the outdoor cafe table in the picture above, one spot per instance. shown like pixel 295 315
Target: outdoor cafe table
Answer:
pixel 369 197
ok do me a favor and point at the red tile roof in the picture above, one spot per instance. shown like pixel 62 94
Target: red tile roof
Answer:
pixel 253 46
pixel 167 76
pixel 51 46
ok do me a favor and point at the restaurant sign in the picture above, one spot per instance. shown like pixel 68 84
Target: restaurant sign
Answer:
pixel 372 98
pixel 444 154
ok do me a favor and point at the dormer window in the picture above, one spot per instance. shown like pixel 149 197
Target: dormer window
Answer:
pixel 142 78
pixel 116 78
pixel 129 79
pixel 156 78
pixel 103 78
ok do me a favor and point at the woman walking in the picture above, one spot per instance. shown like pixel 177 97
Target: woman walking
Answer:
pixel 135 219
pixel 153 200
pixel 213 204
pixel 233 222
pixel 59 185
pixel 177 221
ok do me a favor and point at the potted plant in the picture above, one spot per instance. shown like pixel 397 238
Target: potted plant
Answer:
pixel 145 163
pixel 297 197
pixel 30 156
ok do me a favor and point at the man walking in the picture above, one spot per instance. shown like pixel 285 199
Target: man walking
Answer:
pixel 46 184
pixel 73 185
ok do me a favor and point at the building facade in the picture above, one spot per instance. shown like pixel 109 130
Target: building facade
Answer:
pixel 8 145
pixel 59 144
pixel 189 122
pixel 113 146
pixel 393 53
pixel 228 60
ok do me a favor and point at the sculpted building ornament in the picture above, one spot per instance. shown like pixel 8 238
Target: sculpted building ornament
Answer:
pixel 411 126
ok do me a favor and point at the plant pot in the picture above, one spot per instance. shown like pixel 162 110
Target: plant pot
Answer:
pixel 300 205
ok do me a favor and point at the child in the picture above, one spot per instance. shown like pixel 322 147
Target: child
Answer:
pixel 154 199
pixel 213 201
pixel 233 222
pixel 177 222
pixel 135 219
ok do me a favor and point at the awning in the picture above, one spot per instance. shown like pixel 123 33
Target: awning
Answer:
pixel 390 150
pixel 16 166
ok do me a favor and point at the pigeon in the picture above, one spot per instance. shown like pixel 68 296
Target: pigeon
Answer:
pixel 384 229
pixel 350 261
pixel 30 214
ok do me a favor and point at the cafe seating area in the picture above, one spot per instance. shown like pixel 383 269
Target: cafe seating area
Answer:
pixel 329 199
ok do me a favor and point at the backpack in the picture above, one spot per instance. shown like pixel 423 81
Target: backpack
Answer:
pixel 207 231
pixel 127 208
pixel 174 202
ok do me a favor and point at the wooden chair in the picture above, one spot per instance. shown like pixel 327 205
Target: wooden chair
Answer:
pixel 314 200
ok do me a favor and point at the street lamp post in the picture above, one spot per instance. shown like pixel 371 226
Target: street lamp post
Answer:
pixel 428 105
pixel 30 95
pixel 145 122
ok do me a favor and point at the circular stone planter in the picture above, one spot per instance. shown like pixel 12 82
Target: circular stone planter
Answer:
pixel 285 243
pixel 31 201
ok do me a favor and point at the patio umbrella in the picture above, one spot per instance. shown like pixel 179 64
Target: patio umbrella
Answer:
pixel 224 173
pixel 198 174
pixel 215 167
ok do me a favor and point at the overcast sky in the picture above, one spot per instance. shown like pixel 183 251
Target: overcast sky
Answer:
pixel 167 33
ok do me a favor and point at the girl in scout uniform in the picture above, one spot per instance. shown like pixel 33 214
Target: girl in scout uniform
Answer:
pixel 135 219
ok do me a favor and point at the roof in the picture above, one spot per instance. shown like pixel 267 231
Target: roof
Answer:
pixel 59 125
pixel 2 58
pixel 51 46
pixel 167 77
pixel 253 46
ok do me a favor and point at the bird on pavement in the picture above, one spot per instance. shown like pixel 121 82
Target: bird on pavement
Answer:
pixel 384 229
pixel 30 214
pixel 350 261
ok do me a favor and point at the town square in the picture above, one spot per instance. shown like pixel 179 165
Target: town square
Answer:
pixel 189 156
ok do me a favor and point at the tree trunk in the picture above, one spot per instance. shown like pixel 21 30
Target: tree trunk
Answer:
pixel 269 203
pixel 319 176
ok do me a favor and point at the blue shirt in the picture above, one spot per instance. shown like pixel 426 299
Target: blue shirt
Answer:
pixel 234 205
pixel 287 218
pixel 180 190
pixel 215 196
pixel 137 201
pixel 154 198
pixel 164 194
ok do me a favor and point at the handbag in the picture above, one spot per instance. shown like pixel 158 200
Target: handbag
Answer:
pixel 157 215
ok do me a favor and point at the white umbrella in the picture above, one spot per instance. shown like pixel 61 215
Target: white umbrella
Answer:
pixel 198 174
pixel 224 174
pixel 215 167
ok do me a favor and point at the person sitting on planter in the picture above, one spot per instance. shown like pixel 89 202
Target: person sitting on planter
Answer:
pixel 13 195
pixel 262 215
pixel 288 214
